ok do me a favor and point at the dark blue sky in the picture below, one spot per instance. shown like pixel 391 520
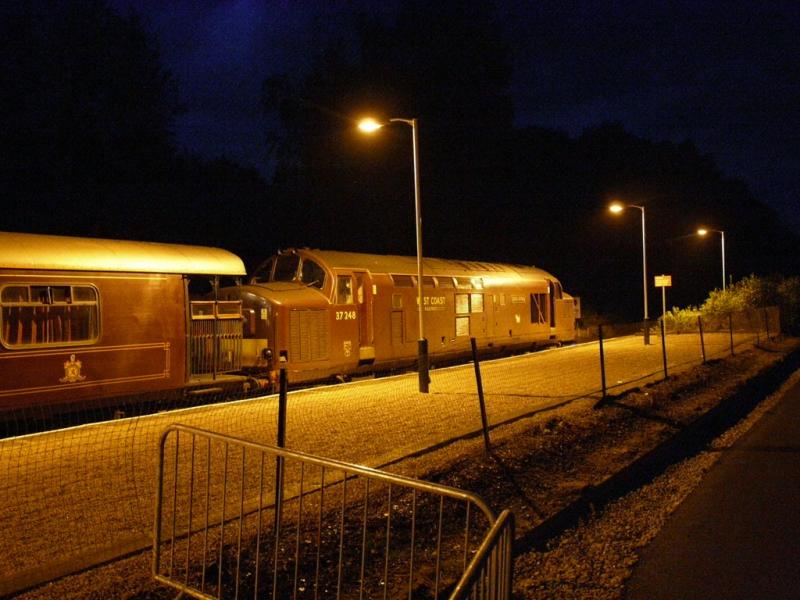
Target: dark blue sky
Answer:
pixel 725 75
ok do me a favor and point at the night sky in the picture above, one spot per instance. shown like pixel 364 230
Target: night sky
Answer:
pixel 725 75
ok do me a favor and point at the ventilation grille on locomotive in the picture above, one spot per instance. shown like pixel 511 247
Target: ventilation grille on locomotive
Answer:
pixel 308 332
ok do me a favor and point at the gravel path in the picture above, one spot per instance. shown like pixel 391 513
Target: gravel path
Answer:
pixel 595 559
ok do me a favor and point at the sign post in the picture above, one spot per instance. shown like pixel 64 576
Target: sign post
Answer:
pixel 663 281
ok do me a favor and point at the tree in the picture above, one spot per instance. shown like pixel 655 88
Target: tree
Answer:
pixel 86 117
pixel 443 63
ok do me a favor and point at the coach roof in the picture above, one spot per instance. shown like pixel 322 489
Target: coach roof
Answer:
pixel 62 253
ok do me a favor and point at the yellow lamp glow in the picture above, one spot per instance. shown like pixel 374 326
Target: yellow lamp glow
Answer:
pixel 369 125
pixel 702 231
pixel 616 208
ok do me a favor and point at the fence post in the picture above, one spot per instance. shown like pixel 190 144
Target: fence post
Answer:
pixel 479 383
pixel 664 349
pixel 280 442
pixel 702 341
pixel 730 327
pixel 766 322
pixel 602 366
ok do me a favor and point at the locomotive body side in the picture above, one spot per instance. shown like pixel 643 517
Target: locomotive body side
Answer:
pixel 336 313
pixel 84 320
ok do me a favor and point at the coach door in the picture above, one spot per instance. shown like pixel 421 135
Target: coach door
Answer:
pixel 366 334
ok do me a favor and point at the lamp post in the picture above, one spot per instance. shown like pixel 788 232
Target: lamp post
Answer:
pixel 370 126
pixel 702 232
pixel 617 208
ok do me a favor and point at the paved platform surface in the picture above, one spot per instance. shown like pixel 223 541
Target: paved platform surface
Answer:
pixel 89 490
pixel 738 534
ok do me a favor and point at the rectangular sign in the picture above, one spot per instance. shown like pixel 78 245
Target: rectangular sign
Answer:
pixel 663 280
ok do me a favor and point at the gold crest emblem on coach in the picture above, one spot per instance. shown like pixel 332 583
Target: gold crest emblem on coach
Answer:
pixel 72 371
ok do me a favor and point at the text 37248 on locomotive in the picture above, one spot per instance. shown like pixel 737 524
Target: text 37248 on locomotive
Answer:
pixel 321 314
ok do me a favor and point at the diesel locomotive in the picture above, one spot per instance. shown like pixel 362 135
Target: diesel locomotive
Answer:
pixel 322 314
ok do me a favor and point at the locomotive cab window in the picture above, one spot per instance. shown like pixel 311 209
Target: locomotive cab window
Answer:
pixel 312 274
pixel 263 273
pixel 46 315
pixel 286 266
pixel 539 306
pixel 344 289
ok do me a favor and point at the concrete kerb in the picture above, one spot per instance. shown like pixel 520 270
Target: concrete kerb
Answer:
pixel 688 441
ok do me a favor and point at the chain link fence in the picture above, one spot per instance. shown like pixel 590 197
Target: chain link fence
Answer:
pixel 79 496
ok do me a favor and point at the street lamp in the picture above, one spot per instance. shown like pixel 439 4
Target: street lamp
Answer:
pixel 617 208
pixel 370 126
pixel 702 232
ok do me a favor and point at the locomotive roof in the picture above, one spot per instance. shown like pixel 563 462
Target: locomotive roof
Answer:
pixel 53 252
pixel 407 265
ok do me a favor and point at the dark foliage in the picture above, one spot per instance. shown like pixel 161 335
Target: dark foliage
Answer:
pixel 86 146
pixel 492 191
pixel 86 116
pixel 86 149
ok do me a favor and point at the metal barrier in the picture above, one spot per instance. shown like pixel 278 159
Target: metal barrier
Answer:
pixel 239 519
pixel 489 575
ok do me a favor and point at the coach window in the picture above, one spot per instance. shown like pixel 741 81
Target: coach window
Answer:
pixel 344 289
pixel 312 274
pixel 463 283
pixel 428 281
pixel 43 315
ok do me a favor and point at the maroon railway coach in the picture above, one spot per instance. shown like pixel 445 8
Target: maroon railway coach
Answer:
pixel 327 313
pixel 84 320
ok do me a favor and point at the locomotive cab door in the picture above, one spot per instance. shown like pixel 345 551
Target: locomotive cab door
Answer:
pixel 366 332
pixel 555 294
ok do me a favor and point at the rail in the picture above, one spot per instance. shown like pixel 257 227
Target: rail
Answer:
pixel 235 519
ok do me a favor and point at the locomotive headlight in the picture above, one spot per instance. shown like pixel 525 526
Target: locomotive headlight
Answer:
pixel 266 353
